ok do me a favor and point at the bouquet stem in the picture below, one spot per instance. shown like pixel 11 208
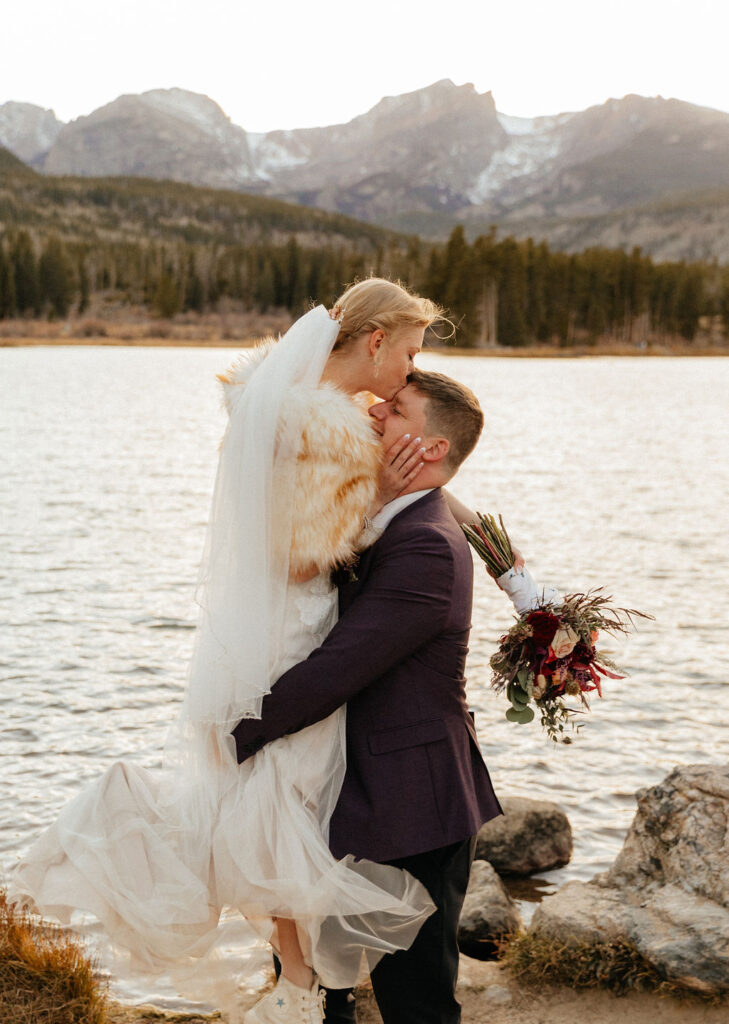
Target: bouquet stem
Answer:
pixel 491 542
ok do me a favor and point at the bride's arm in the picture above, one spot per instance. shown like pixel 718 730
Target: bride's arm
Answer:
pixel 460 512
pixel 463 514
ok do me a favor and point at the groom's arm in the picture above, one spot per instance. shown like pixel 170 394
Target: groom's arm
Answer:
pixel 406 600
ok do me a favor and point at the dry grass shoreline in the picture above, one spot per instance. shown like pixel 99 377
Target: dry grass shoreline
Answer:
pixel 46 977
pixel 232 328
pixel 497 352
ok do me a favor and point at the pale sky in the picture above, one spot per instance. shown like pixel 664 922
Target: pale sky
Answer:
pixel 273 64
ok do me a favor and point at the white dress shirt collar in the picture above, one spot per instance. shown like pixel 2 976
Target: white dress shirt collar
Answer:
pixel 386 514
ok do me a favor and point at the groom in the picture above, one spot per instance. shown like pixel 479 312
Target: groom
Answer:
pixel 416 789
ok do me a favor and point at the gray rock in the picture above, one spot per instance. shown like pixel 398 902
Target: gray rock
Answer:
pixel 667 890
pixel 532 835
pixel 680 835
pixel 488 912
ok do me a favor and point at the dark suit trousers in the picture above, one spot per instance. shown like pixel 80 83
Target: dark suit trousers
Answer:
pixel 417 985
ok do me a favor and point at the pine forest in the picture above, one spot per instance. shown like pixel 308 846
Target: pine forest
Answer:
pixel 70 245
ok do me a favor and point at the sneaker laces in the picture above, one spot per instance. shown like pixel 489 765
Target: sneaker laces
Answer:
pixel 321 1004
pixel 311 1003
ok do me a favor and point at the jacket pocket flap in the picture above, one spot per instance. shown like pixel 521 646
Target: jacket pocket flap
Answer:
pixel 407 736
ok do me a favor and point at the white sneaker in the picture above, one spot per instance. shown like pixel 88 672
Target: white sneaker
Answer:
pixel 289 1004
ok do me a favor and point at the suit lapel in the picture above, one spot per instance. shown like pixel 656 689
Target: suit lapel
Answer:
pixel 349 590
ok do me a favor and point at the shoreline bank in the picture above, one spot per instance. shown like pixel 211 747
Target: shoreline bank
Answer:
pixel 489 996
pixel 498 352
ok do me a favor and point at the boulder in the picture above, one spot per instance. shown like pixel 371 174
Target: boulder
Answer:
pixel 680 835
pixel 667 891
pixel 532 835
pixel 488 913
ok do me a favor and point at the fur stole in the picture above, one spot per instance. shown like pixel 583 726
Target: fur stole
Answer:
pixel 336 469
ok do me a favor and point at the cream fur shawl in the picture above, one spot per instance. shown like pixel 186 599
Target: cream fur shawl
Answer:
pixel 336 469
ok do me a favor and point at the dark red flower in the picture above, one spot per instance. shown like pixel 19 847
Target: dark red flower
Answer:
pixel 583 654
pixel 544 626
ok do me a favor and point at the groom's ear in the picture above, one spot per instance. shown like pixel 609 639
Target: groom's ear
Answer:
pixel 436 449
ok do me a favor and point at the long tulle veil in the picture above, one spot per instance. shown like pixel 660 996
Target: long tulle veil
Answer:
pixel 245 566
pixel 241 587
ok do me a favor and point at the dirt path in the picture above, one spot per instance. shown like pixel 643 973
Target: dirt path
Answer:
pixel 489 996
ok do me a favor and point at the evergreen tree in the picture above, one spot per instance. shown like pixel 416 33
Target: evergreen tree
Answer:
pixel 486 285
pixel 292 277
pixel 166 300
pixel 636 290
pixel 55 278
pixel 557 295
pixel 194 298
pixel 592 310
pixel 83 286
pixel 25 274
pixel 689 302
pixel 8 306
pixel 537 277
pixel 512 294
pixel 724 300
pixel 265 284
pixel 456 290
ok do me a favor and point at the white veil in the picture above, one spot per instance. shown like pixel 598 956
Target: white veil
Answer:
pixel 245 566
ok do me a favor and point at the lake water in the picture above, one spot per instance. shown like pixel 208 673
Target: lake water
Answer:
pixel 608 472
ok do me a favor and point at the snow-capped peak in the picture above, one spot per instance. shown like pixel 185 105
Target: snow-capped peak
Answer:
pixel 516 125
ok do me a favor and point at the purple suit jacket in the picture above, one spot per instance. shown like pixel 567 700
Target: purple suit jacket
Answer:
pixel 415 778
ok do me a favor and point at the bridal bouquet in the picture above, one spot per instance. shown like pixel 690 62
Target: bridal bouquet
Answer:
pixel 550 653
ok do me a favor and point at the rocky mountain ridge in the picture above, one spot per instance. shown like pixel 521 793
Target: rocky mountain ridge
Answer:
pixel 27 130
pixel 418 162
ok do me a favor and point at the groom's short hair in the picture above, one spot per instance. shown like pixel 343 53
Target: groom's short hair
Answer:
pixel 451 411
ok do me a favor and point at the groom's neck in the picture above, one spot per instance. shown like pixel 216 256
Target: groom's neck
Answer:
pixel 427 478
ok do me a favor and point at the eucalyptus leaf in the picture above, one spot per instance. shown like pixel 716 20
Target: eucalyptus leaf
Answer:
pixel 518 698
pixel 523 716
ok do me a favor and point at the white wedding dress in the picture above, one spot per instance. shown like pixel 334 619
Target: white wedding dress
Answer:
pixel 158 856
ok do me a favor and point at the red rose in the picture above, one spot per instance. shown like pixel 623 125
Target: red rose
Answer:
pixel 544 626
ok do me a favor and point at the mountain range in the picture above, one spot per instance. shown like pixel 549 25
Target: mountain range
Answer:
pixel 636 170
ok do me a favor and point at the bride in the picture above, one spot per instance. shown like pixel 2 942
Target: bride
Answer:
pixel 158 856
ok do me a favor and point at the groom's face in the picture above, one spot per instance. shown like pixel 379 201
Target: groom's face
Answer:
pixel 403 414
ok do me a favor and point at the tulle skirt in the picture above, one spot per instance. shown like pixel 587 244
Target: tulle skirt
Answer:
pixel 157 858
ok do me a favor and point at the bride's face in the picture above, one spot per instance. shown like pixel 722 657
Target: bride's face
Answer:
pixel 393 360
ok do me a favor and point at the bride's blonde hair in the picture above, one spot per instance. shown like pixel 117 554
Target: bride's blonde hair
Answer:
pixel 377 304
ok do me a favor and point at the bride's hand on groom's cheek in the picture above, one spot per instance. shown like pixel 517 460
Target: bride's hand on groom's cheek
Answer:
pixel 401 464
